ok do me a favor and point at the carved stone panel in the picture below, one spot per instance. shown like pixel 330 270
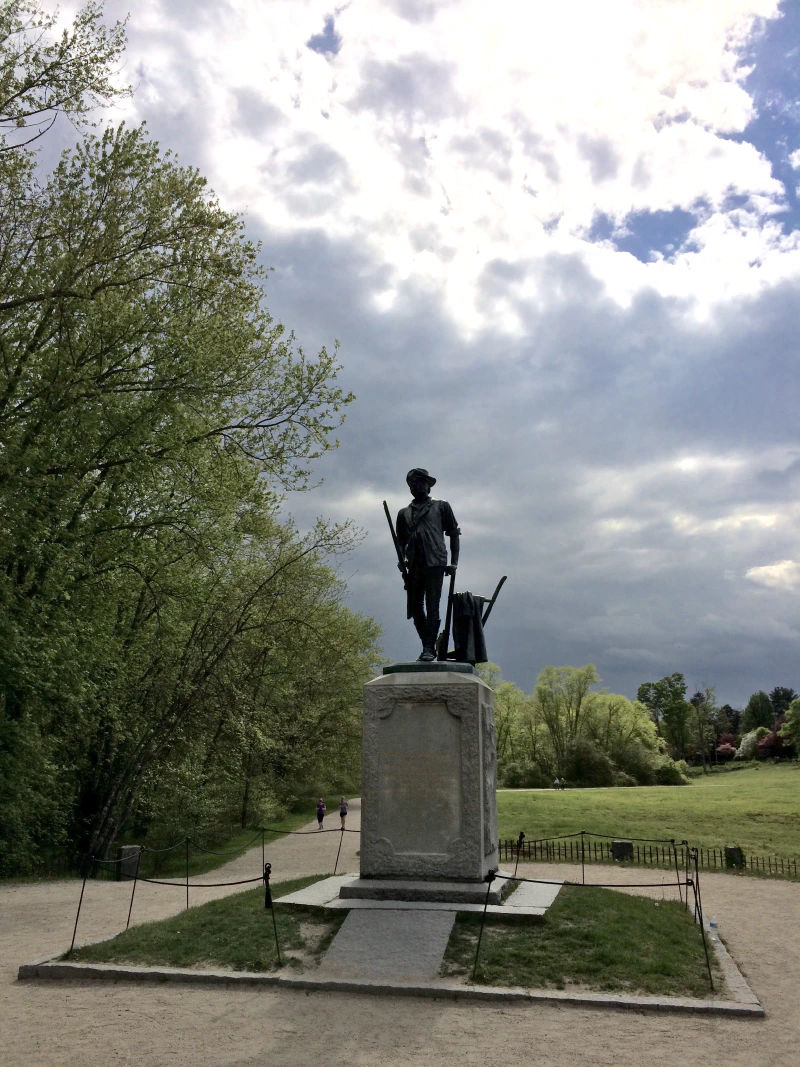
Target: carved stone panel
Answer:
pixel 419 788
pixel 428 772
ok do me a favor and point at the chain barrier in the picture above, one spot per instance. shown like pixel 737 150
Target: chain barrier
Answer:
pixel 187 843
pixel 687 883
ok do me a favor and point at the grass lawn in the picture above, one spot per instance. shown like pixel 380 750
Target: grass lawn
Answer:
pixel 235 933
pixel 593 938
pixel 757 807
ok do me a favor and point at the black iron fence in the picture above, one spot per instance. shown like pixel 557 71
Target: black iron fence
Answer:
pixel 577 849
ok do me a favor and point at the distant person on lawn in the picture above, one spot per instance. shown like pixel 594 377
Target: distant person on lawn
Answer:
pixel 343 810
pixel 556 784
pixel 320 812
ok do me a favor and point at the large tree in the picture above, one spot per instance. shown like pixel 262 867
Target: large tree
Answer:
pixel 781 698
pixel 759 712
pixel 159 622
pixel 671 712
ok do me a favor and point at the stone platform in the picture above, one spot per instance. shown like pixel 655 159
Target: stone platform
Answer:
pixel 528 899
pixel 430 890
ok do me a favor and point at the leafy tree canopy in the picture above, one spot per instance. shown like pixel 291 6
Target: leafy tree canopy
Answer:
pixel 781 697
pixel 41 77
pixel 172 650
pixel 759 712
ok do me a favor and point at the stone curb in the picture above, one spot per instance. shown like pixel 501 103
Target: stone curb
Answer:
pixel 734 979
pixel 54 969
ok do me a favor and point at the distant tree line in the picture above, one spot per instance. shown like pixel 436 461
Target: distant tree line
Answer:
pixel 568 729
pixel 175 656
pixel 698 729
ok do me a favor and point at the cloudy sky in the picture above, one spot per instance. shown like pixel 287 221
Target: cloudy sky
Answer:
pixel 560 246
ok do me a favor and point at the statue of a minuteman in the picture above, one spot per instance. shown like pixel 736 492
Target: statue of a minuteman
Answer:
pixel 421 529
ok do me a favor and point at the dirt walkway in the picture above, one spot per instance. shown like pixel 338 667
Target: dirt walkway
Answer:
pixel 85 1024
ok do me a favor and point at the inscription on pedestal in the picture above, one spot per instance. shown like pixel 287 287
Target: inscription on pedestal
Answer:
pixel 420 804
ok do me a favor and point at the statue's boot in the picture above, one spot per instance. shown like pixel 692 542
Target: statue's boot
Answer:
pixel 429 640
pixel 421 626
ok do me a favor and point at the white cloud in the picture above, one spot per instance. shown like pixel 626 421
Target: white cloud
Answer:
pixel 782 575
pixel 500 130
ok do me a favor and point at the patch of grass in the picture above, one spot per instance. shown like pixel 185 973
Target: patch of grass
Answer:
pixel 235 933
pixel 596 938
pixel 757 808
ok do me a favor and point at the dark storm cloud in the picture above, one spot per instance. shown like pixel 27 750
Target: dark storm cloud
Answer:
pixel 552 451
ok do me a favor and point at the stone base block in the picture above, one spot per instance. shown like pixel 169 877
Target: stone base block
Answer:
pixel 430 891
pixel 429 771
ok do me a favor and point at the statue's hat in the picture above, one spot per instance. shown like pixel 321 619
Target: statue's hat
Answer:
pixel 422 474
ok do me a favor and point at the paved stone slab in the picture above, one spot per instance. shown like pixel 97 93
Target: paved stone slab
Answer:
pixel 734 979
pixel 388 945
pixel 320 893
pixel 532 895
pixel 528 899
pixel 422 905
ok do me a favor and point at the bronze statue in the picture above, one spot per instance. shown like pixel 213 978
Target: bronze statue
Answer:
pixel 421 530
pixel 422 560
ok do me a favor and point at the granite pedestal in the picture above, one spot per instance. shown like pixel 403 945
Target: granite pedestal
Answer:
pixel 429 770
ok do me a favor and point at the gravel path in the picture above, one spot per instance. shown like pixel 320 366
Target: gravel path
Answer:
pixel 86 1024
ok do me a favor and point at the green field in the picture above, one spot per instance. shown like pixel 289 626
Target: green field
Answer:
pixel 757 807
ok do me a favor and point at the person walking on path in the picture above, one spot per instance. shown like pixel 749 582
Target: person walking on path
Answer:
pixel 343 810
pixel 320 812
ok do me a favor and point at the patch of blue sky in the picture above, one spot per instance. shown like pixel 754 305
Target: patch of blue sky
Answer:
pixel 646 234
pixel 773 52
pixel 328 42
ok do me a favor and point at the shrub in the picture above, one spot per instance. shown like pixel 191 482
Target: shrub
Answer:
pixel 725 751
pixel 588 765
pixel 523 774
pixel 748 748
pixel 623 778
pixel 668 772
pixel 635 761
pixel 773 746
